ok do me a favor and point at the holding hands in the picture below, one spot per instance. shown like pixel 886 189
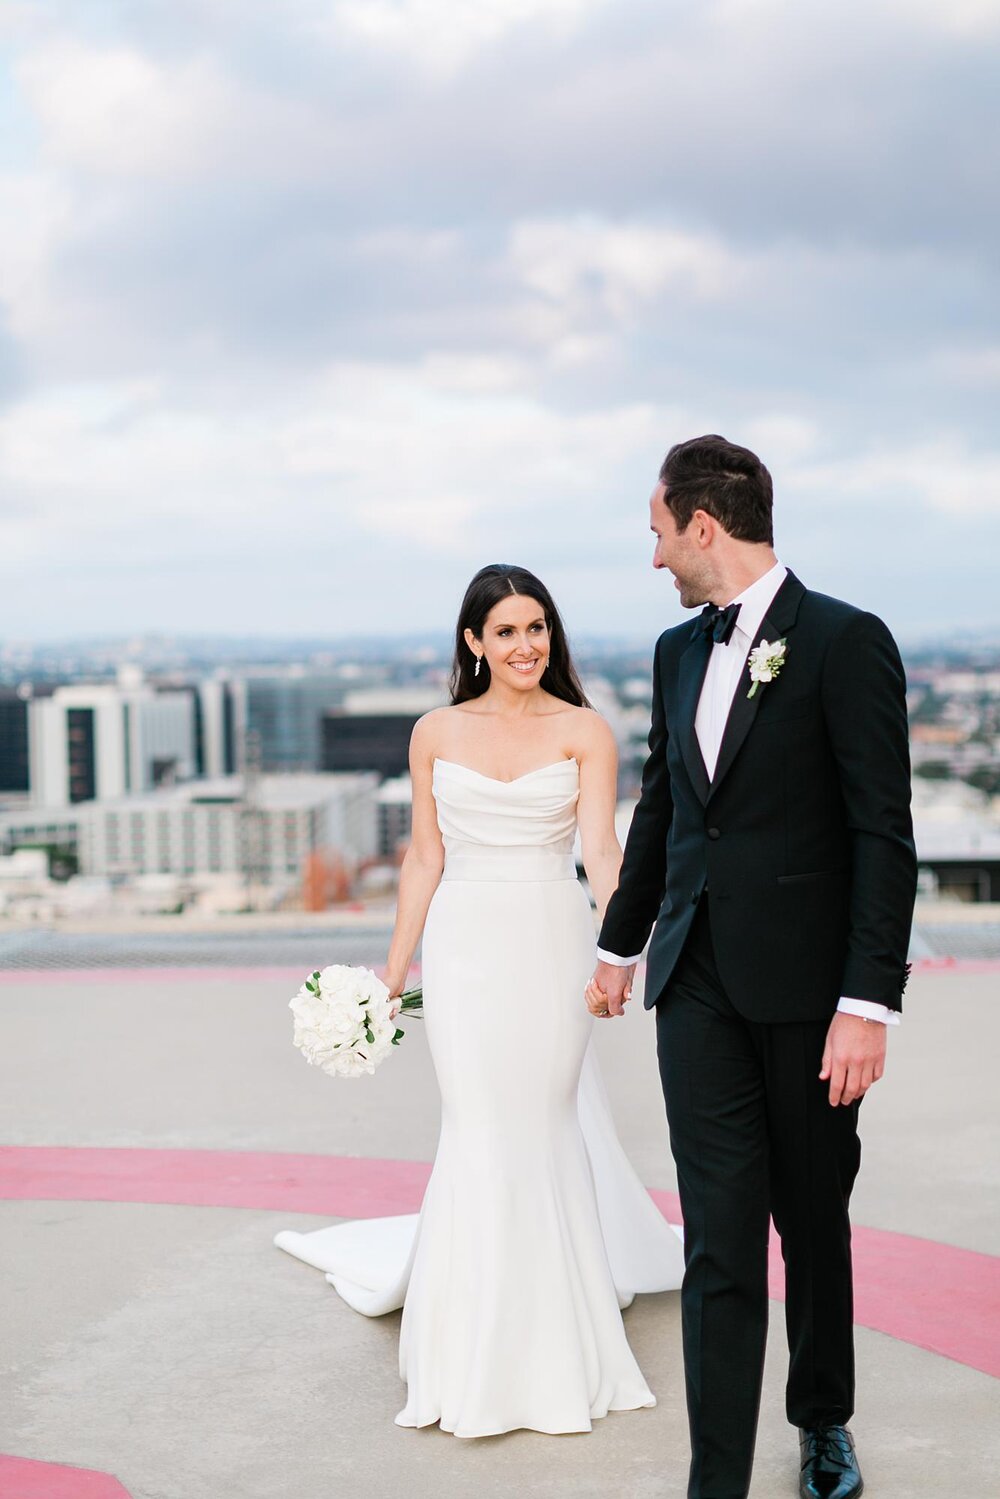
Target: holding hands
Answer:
pixel 609 990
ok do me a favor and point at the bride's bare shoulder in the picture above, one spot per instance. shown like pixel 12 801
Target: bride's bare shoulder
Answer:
pixel 591 731
pixel 430 731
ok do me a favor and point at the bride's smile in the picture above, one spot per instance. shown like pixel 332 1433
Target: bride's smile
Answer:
pixel 515 644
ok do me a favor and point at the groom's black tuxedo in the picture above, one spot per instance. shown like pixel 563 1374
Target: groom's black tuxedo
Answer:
pixel 803 839
pixel 781 886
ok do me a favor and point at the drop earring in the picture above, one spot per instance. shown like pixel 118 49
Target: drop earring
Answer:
pixel 479 662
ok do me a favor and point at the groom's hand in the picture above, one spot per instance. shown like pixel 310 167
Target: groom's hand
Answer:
pixel 610 989
pixel 854 1057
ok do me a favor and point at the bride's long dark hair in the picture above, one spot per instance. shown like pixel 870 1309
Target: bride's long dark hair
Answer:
pixel 496 581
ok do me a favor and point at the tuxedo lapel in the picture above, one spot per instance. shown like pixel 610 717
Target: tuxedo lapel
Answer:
pixel 775 625
pixel 691 675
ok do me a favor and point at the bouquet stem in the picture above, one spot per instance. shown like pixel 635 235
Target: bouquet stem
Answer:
pixel 412 1002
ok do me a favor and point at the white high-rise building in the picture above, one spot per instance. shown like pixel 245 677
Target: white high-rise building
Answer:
pixel 108 739
pixel 223 724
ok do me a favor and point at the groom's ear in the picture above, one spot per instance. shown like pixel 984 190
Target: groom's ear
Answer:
pixel 702 528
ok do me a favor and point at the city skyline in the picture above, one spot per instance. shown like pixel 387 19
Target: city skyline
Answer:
pixel 305 315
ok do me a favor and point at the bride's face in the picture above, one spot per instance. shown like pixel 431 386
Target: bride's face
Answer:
pixel 515 642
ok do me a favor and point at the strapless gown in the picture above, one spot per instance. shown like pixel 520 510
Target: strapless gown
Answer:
pixel 534 1229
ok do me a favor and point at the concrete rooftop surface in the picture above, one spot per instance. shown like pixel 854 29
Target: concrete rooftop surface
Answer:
pixel 158 1128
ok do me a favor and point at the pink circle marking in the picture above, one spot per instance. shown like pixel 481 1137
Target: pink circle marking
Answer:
pixel 25 1478
pixel 936 1296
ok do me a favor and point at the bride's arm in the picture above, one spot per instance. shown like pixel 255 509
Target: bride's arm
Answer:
pixel 602 855
pixel 422 864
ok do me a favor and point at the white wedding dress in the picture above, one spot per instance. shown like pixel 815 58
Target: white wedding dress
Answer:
pixel 534 1229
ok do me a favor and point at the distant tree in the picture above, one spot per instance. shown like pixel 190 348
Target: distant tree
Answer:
pixel 985 778
pixel 63 863
pixel 929 708
pixel 934 770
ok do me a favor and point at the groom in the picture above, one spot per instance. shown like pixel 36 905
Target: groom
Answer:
pixel 771 853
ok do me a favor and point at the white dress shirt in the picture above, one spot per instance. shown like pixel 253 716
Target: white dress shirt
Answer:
pixel 725 669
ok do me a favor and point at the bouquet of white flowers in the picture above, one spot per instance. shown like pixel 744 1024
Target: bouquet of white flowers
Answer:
pixel 342 1019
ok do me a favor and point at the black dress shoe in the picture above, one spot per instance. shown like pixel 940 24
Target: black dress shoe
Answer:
pixel 829 1466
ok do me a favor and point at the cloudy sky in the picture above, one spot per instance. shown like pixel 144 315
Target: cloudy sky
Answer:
pixel 308 308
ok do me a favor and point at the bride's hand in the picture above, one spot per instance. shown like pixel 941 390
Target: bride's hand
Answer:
pixel 597 1000
pixel 395 989
pixel 612 1000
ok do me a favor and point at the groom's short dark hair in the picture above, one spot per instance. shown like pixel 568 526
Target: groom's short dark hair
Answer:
pixel 729 482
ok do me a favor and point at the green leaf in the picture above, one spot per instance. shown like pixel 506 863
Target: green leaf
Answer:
pixel 370 1037
pixel 396 1037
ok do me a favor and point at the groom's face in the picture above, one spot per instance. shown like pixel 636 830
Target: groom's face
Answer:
pixel 679 552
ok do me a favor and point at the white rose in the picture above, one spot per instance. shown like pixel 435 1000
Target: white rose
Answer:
pixel 334 1018
pixel 339 982
pixel 348 1062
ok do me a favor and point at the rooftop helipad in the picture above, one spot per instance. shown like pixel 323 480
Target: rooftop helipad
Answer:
pixel 159 1128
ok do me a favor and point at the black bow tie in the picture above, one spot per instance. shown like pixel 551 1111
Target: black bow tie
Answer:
pixel 719 623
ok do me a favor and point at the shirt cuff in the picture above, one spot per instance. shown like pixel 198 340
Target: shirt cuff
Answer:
pixel 869 1010
pixel 615 960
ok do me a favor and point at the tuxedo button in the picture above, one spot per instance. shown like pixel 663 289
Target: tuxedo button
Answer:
pixel 714 833
pixel 695 897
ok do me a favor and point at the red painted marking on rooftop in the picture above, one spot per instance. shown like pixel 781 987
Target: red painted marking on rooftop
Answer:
pixel 341 1186
pixel 26 1478
pixel 936 1296
pixel 957 965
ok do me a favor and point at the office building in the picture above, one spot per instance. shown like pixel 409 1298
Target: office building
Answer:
pixel 14 774
pixel 207 827
pixel 394 800
pixel 104 740
pixel 371 731
pixel 284 711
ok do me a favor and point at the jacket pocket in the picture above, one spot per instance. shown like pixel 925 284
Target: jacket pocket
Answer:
pixel 777 709
pixel 814 874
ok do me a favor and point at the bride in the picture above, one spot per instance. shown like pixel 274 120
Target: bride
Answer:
pixel 534 1229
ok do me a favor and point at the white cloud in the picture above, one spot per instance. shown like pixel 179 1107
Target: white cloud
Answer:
pixel 476 374
pixel 118 112
pixel 950 18
pixel 38 212
pixel 410 453
pixel 617 267
pixel 963 19
pixel 420 457
pixel 975 367
pixel 784 438
pixel 942 474
pixel 453 277
pixel 441 37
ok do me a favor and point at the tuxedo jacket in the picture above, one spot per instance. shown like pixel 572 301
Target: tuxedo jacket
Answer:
pixel 802 842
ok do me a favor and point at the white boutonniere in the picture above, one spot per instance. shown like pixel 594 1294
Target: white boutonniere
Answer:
pixel 766 660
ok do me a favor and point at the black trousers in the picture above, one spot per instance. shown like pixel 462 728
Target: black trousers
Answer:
pixel 754 1137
